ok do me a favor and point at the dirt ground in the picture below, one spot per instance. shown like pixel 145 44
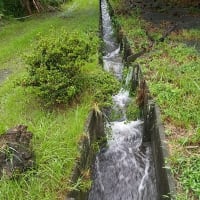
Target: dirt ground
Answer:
pixel 159 14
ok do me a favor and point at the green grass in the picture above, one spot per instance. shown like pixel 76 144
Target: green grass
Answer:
pixel 54 143
pixel 172 70
pixel 188 168
pixel 140 40
pixel 55 133
pixel 17 37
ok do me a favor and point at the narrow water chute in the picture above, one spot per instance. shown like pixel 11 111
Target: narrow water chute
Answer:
pixel 124 170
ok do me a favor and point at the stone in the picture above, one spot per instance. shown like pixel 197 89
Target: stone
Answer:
pixel 16 155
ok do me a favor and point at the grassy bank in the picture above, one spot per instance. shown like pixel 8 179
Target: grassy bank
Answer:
pixel 55 133
pixel 16 37
pixel 172 70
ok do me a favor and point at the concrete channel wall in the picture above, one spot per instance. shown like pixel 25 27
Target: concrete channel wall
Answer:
pixel 153 127
pixel 91 140
pixel 154 133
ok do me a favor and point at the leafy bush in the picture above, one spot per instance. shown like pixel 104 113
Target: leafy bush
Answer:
pixel 55 66
pixel 103 85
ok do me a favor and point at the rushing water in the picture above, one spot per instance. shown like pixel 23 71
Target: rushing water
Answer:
pixel 124 170
pixel 112 60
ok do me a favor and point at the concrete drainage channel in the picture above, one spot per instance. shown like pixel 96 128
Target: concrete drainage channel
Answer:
pixel 132 164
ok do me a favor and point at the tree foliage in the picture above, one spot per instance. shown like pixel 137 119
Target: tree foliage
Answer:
pixel 18 8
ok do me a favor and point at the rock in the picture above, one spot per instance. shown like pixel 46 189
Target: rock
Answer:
pixel 16 155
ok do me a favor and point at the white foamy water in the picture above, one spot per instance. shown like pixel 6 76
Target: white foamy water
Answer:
pixel 112 61
pixel 120 102
pixel 114 67
pixel 125 132
pixel 123 171
pixel 121 99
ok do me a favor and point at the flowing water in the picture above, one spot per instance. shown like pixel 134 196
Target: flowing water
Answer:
pixel 123 170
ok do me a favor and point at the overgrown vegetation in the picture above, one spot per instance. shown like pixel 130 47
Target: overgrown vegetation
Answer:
pixel 57 73
pixel 83 183
pixel 123 6
pixel 172 71
pixel 55 136
pixel 56 132
pixel 175 86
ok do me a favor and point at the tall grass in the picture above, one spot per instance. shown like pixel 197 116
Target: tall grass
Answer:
pixel 55 143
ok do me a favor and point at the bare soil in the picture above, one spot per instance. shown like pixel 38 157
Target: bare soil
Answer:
pixel 164 15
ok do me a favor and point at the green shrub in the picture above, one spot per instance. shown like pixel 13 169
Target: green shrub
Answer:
pixel 55 66
pixel 103 85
